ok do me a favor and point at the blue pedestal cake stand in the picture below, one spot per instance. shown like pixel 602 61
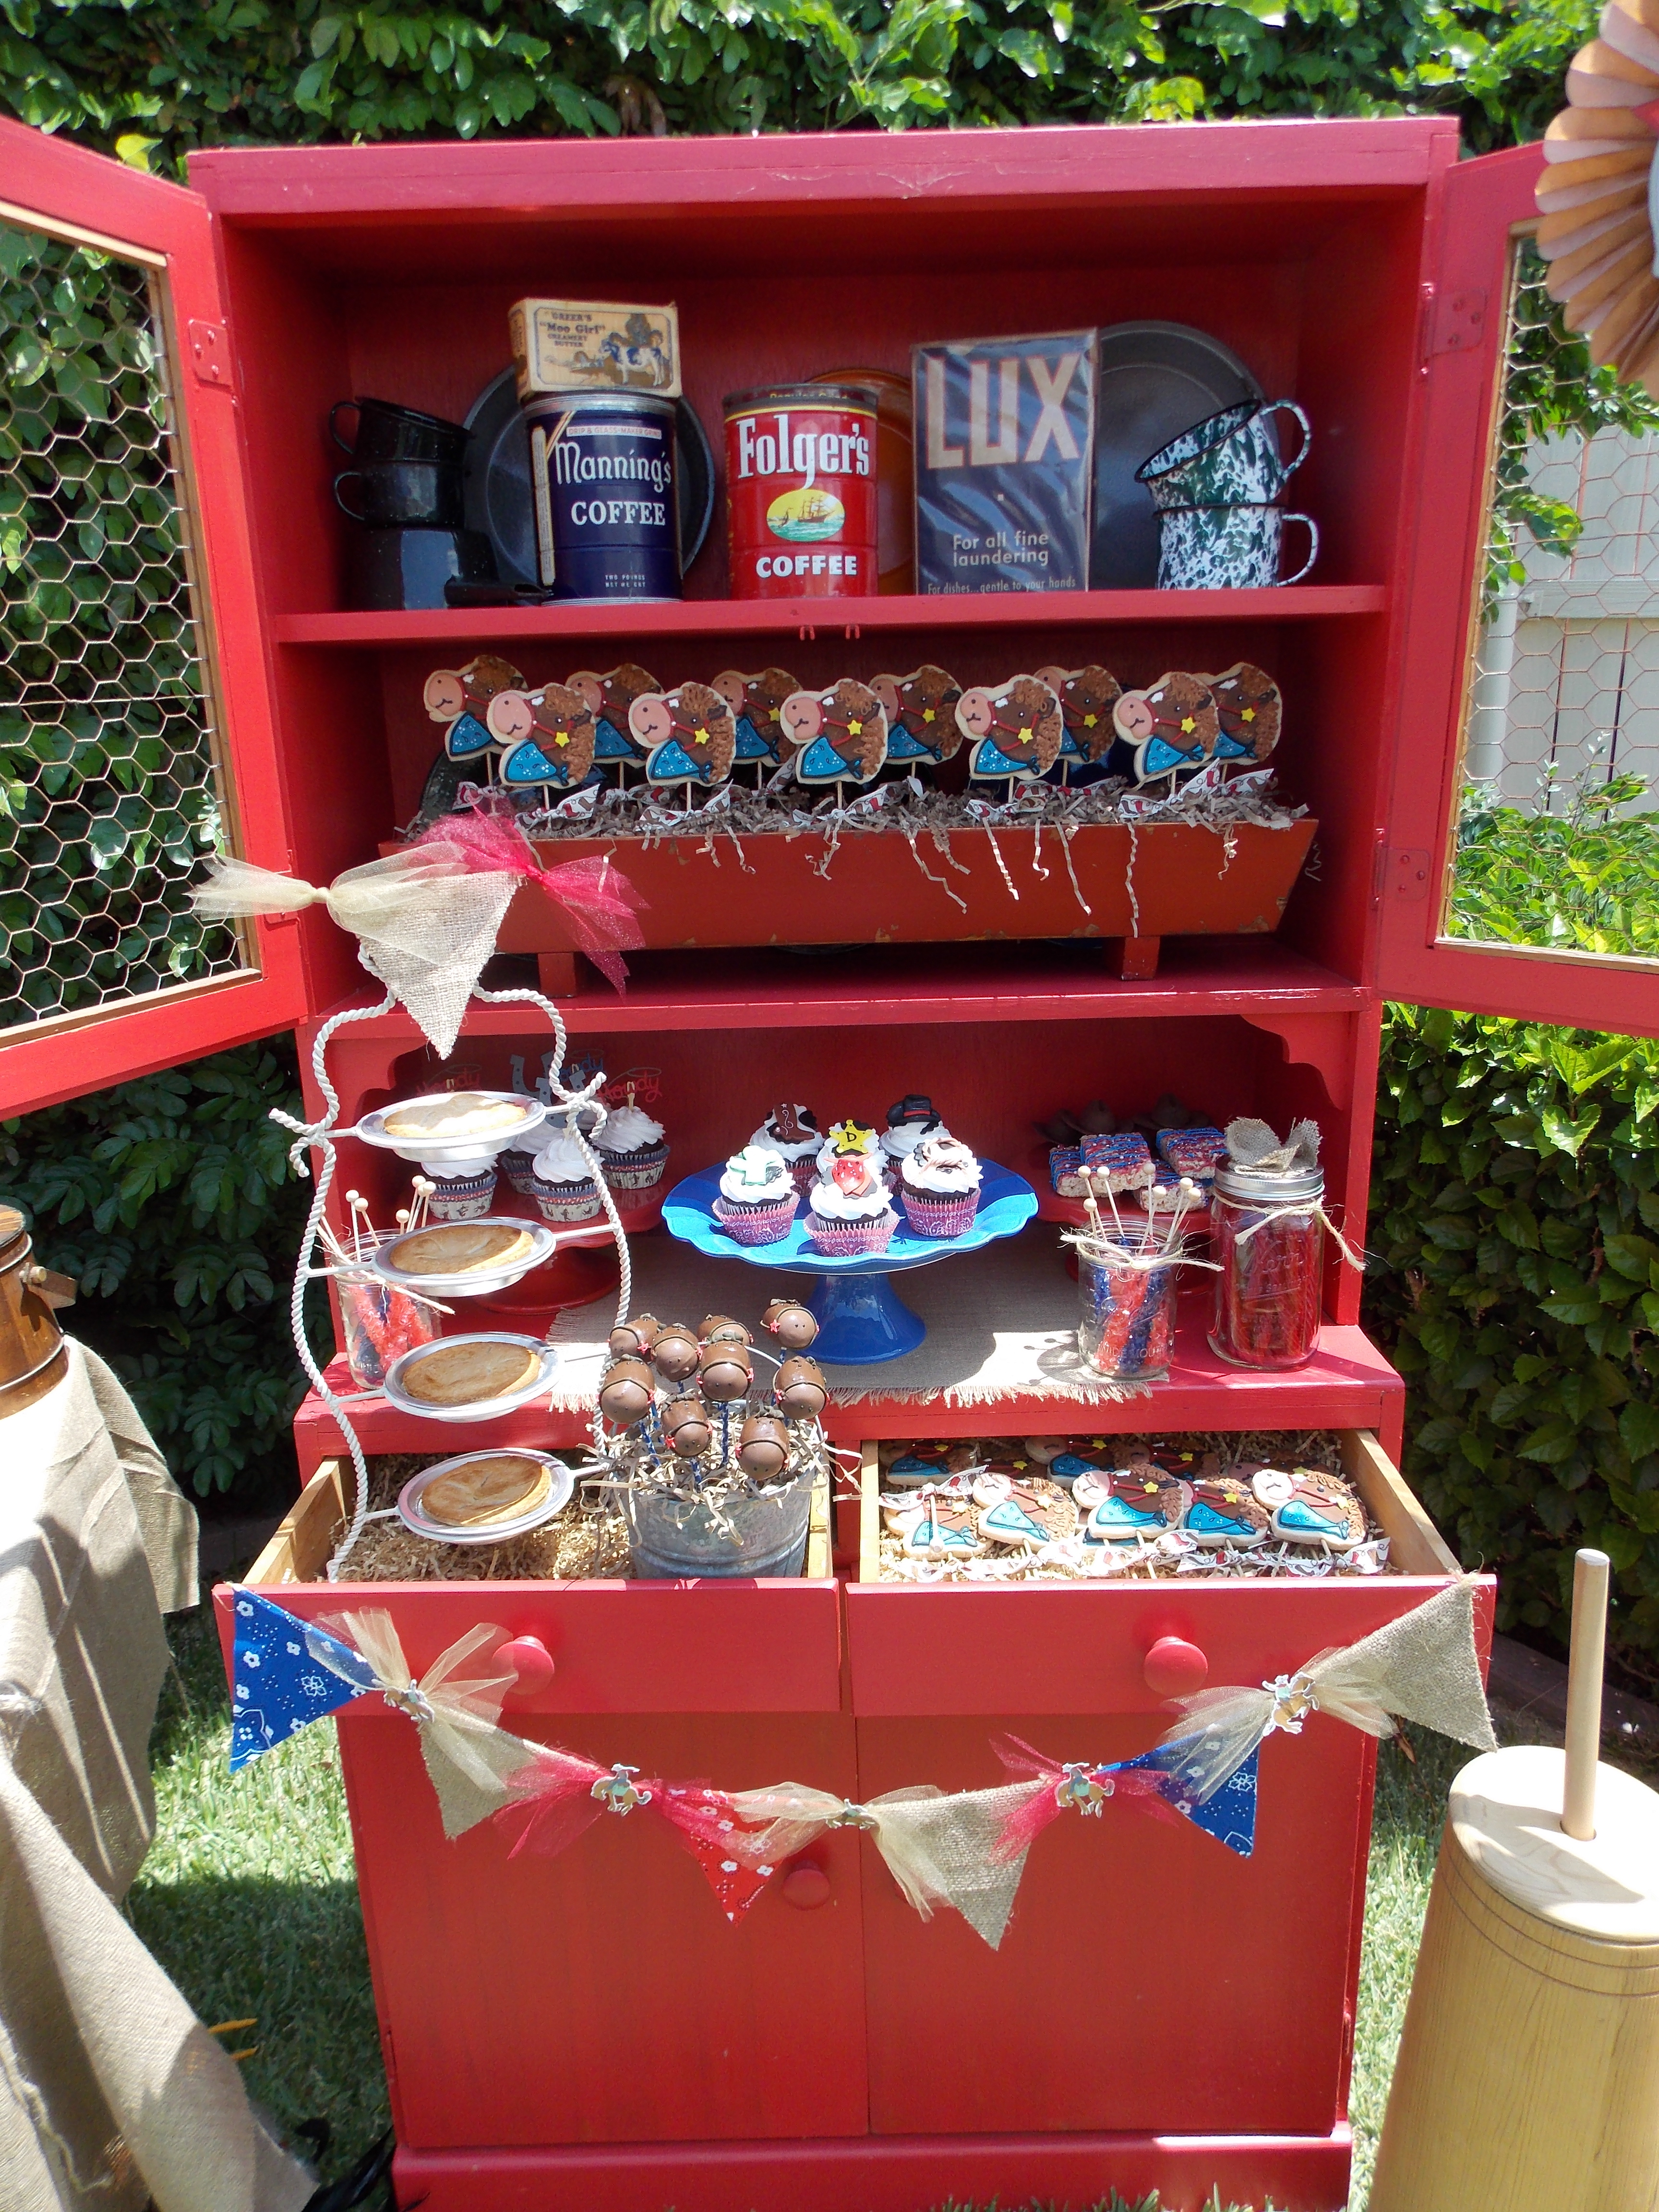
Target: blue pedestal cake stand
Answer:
pixel 862 1321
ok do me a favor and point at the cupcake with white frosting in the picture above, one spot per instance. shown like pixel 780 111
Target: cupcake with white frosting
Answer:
pixel 632 1148
pixel 564 1186
pixel 757 1196
pixel 792 1133
pixel 849 1211
pixel 938 1185
pixel 909 1122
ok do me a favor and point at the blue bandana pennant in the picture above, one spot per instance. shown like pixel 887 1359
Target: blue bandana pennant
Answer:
pixel 281 1678
pixel 1228 1815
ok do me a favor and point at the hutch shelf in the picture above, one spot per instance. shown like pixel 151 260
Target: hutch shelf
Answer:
pixel 589 2029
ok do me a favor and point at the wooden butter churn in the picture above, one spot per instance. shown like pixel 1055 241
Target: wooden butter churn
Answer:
pixel 32 1354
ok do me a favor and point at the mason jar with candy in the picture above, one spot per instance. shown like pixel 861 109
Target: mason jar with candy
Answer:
pixel 1267 1236
pixel 801 491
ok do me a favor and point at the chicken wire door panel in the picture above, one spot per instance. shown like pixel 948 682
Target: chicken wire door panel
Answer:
pixel 135 723
pixel 1520 870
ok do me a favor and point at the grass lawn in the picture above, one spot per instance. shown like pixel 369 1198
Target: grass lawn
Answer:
pixel 248 1899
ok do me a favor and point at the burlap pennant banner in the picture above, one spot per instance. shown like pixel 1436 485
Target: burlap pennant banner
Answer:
pixel 963 1848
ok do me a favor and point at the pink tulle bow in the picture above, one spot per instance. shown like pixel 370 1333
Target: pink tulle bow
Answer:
pixel 602 906
pixel 557 1788
pixel 1141 1787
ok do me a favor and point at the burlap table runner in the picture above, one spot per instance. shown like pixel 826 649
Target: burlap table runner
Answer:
pixel 110 2090
pixel 1001 1320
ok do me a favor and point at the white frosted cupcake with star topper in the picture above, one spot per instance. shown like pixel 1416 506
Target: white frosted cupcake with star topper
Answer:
pixel 848 1211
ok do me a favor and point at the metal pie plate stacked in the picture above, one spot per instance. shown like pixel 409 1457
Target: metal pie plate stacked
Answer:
pixel 475 1409
pixel 498 1532
pixel 472 1282
pixel 459 1155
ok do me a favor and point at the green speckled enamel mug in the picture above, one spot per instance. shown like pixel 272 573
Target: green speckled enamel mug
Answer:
pixel 1214 549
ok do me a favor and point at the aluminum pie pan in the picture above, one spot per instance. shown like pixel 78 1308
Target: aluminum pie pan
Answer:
pixel 479 1409
pixel 453 1151
pixel 498 1532
pixel 474 1282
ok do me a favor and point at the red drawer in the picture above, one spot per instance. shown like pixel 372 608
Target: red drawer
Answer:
pixel 919 1651
pixel 616 1646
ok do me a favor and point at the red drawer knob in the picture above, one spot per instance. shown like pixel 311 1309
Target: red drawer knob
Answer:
pixel 534 1663
pixel 806 1886
pixel 1174 1669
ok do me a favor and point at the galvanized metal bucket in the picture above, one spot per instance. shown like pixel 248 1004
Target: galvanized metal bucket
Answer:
pixel 678 1539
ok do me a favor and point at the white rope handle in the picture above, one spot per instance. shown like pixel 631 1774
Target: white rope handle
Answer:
pixel 321 1136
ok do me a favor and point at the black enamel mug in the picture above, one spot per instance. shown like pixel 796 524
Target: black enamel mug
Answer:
pixel 386 432
pixel 402 494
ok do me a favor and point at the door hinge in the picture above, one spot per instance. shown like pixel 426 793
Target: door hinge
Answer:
pixel 210 350
pixel 1409 871
pixel 1453 322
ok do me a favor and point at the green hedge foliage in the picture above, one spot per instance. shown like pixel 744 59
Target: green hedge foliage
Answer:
pixel 1515 1215
pixel 171 1202
pixel 156 80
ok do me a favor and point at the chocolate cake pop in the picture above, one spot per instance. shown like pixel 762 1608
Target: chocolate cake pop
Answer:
pixel 675 1352
pixel 801 1389
pixel 627 1392
pixel 721 1329
pixel 685 1423
pixel 793 1325
pixel 724 1373
pixel 633 1336
pixel 763 1446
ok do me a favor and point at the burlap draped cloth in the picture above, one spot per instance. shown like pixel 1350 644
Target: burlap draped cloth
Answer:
pixel 111 2090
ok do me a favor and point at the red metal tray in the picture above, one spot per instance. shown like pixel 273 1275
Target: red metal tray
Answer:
pixel 1168 879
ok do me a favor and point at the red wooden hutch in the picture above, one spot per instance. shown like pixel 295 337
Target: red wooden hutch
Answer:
pixel 589 2030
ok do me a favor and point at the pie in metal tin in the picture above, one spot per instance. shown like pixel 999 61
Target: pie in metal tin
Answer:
pixel 460 1248
pixel 486 1498
pixel 455 1114
pixel 464 1370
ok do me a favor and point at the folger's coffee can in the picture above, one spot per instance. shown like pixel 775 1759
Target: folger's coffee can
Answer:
pixel 801 491
pixel 602 477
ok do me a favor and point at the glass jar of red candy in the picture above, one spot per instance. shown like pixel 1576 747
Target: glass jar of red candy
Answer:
pixel 382 1323
pixel 1267 1233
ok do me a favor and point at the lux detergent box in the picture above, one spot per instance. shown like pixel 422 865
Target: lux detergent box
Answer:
pixel 1005 463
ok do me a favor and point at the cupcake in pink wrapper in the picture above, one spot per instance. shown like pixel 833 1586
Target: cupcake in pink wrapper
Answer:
pixel 849 1211
pixel 792 1133
pixel 757 1197
pixel 939 1187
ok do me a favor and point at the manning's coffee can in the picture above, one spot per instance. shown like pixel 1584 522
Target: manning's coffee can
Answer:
pixel 602 477
pixel 801 491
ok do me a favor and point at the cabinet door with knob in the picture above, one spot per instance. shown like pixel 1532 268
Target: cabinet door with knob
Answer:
pixel 1150 1978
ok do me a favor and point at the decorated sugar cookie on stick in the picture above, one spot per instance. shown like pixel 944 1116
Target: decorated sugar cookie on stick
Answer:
pixel 922 717
pixel 1087 697
pixel 756 702
pixel 1249 707
pixel 548 737
pixel 1171 726
pixel 609 698
pixel 459 699
pixel 1016 728
pixel 838 736
pixel 690 736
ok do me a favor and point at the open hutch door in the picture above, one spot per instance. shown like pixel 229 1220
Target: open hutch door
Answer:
pixel 135 718
pixel 1520 877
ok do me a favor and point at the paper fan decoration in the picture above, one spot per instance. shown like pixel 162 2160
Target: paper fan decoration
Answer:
pixel 1596 193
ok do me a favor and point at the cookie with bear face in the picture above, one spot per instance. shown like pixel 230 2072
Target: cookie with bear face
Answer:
pixel 1087 697
pixel 609 698
pixel 836 736
pixel 921 714
pixel 1170 726
pixel 690 735
pixel 1016 728
pixel 757 704
pixel 548 737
